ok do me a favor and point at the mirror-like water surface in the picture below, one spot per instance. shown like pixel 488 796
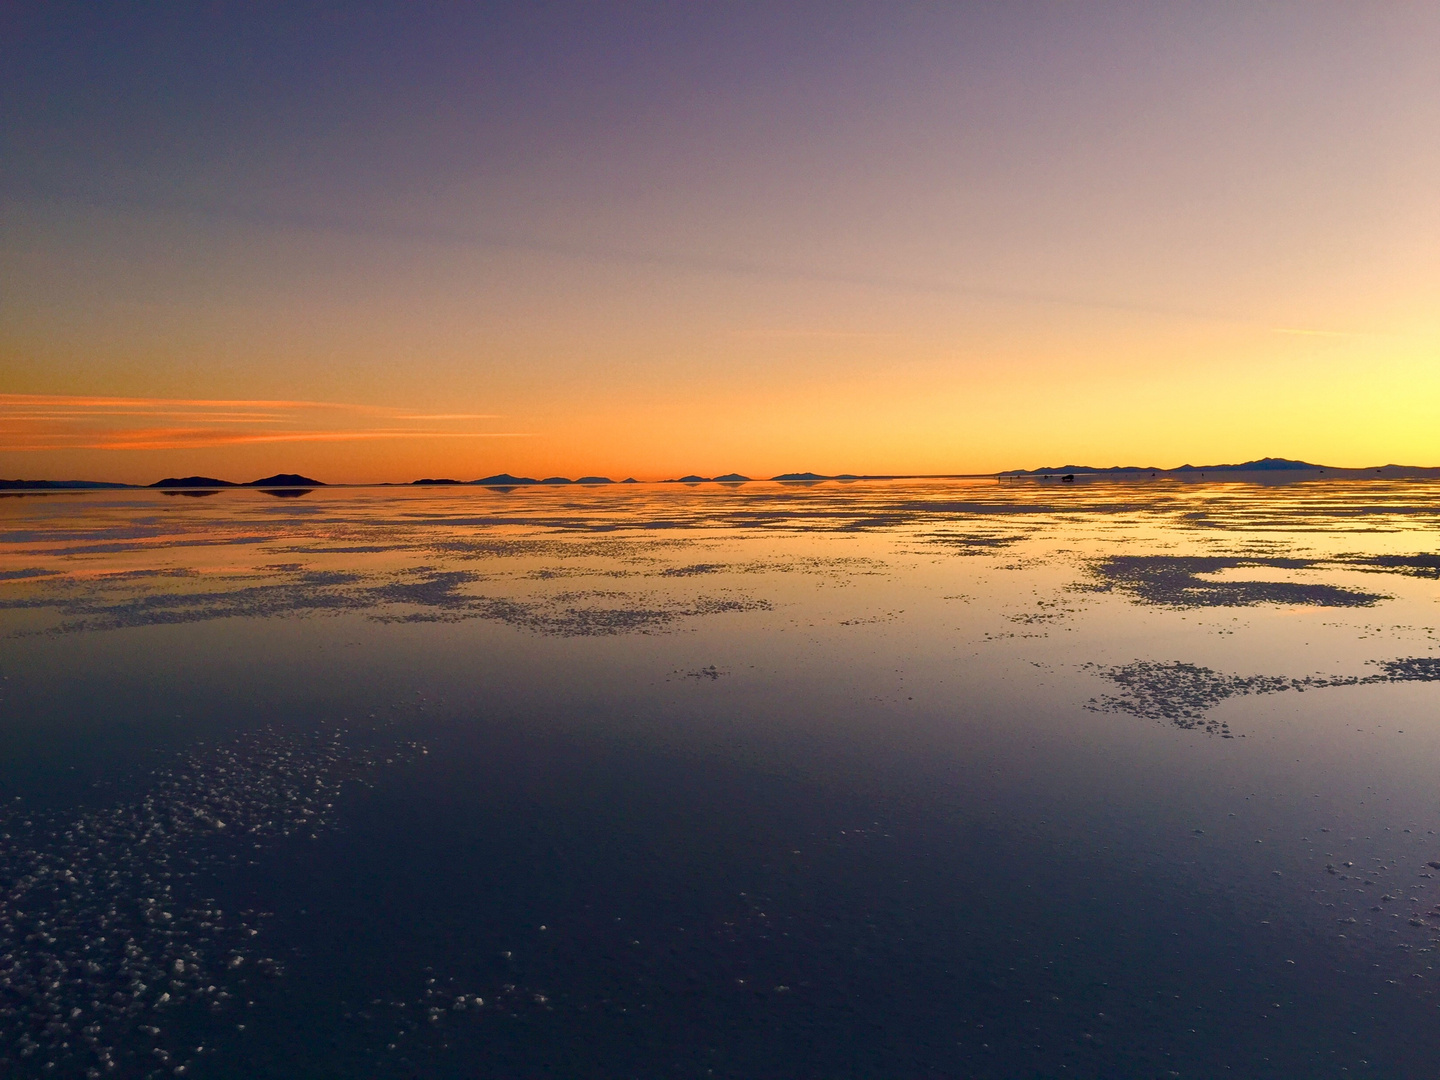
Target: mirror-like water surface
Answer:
pixel 881 779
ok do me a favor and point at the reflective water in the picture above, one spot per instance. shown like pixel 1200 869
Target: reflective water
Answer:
pixel 879 779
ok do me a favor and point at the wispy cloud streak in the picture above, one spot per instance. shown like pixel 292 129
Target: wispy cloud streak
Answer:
pixel 35 422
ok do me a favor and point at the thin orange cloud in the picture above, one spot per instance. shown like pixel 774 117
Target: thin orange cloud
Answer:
pixel 89 401
pixel 450 416
pixel 213 417
pixel 33 422
pixel 187 438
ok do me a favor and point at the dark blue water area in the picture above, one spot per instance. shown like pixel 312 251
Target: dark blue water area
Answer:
pixel 706 920
pixel 771 805
pixel 625 898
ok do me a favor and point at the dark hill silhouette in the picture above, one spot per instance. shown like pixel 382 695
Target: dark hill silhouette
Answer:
pixel 284 479
pixel 1274 469
pixel 793 477
pixel 193 482
pixel 1267 464
pixel 504 479
pixel 728 478
pixel 1263 470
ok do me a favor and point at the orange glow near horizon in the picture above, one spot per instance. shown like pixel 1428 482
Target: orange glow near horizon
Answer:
pixel 965 241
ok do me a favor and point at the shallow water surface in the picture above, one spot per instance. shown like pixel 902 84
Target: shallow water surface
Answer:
pixel 776 780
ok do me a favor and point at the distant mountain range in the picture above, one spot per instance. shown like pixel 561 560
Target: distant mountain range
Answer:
pixel 279 480
pixel 1273 465
pixel 56 485
pixel 789 477
pixel 506 480
pixel 297 484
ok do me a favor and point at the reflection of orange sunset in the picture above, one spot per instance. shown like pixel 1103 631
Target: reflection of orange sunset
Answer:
pixel 959 242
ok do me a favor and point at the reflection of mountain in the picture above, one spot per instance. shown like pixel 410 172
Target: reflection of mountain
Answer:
pixel 287 492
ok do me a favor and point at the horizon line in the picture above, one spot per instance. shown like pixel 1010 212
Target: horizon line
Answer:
pixel 1281 468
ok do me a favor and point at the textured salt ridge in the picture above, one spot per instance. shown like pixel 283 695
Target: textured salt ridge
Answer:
pixel 1184 693
pixel 439 596
pixel 1174 581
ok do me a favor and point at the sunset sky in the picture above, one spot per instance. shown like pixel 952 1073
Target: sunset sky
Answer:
pixel 382 242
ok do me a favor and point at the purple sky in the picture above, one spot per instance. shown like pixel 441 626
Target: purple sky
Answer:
pixel 675 237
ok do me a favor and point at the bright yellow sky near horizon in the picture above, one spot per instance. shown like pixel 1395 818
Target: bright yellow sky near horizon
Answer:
pixel 974 242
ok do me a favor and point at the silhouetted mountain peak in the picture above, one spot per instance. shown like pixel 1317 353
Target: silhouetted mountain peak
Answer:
pixel 728 478
pixel 504 479
pixel 285 479
pixel 1267 464
pixel 193 482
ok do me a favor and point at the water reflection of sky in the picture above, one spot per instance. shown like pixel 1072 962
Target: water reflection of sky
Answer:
pixel 872 779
